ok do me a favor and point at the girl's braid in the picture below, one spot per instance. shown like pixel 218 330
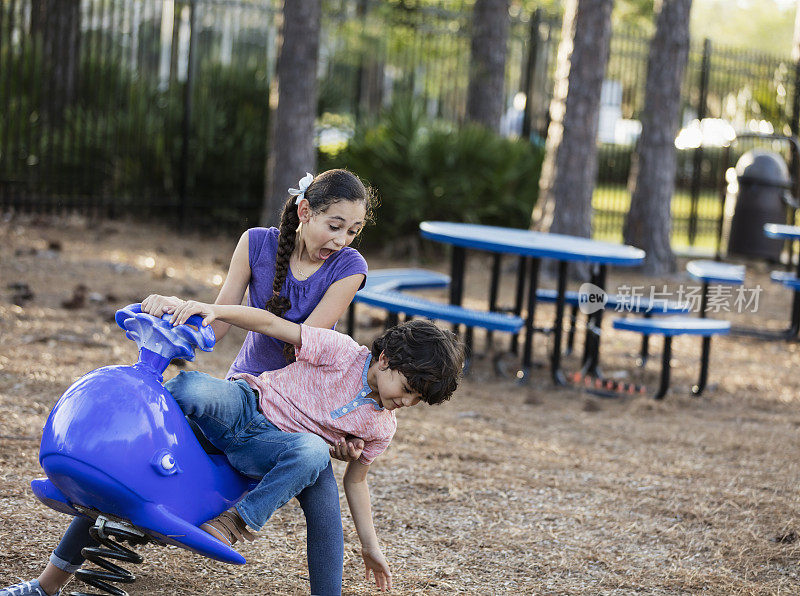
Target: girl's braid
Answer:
pixel 278 304
pixel 326 189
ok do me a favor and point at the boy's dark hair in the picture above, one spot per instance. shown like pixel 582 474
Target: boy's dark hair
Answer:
pixel 430 358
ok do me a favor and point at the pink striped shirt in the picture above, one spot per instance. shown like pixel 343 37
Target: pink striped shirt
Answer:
pixel 325 392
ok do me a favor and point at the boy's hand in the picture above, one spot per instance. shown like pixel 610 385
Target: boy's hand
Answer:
pixel 347 449
pixel 191 307
pixel 157 305
pixel 374 561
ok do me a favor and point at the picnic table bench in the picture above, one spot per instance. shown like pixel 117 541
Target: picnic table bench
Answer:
pixel 618 302
pixel 398 302
pixel 707 272
pixel 384 289
pixel 786 278
pixel 670 327
pixel 396 279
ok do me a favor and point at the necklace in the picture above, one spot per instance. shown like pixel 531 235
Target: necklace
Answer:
pixel 302 273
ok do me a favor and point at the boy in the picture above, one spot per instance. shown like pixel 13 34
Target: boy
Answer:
pixel 276 427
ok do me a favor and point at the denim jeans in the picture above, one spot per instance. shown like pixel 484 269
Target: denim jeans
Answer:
pixel 67 555
pixel 324 537
pixel 325 540
pixel 227 413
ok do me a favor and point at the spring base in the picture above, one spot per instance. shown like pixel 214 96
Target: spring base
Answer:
pixel 103 531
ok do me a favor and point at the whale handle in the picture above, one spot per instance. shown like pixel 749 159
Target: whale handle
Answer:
pixel 159 336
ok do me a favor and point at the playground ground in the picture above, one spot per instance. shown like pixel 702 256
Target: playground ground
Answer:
pixel 504 490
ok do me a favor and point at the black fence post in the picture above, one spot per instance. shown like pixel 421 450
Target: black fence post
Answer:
pixel 361 14
pixel 794 126
pixel 187 124
pixel 529 72
pixel 4 109
pixel 697 157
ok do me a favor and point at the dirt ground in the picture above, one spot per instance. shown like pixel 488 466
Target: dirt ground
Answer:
pixel 507 489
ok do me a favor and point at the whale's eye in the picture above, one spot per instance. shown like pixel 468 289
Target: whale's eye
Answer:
pixel 164 463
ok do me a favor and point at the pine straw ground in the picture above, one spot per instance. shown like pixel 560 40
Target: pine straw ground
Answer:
pixel 505 490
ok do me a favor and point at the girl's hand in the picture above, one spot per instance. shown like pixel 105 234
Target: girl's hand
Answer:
pixel 347 449
pixel 157 305
pixel 191 307
pixel 374 561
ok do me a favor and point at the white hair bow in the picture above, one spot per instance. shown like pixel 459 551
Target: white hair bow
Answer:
pixel 304 183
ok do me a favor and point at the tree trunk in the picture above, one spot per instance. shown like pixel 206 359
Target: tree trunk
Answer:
pixel 177 7
pixel 649 222
pixel 794 122
pixel 490 23
pixel 570 164
pixel 293 100
pixel 57 23
pixel 796 35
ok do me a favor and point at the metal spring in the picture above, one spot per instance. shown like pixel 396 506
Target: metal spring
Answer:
pixel 102 532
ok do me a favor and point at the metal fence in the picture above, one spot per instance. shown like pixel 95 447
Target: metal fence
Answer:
pixel 160 106
pixel 117 105
pixel 728 90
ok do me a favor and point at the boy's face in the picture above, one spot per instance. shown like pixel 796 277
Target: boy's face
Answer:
pixel 392 388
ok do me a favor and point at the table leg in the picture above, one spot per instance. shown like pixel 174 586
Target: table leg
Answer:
pixel 555 359
pixel 458 259
pixel 519 296
pixel 467 349
pixel 493 291
pixel 704 355
pixel 527 353
pixel 594 324
pixel 351 319
pixel 666 357
pixel 795 325
pixel 704 300
pixel 644 353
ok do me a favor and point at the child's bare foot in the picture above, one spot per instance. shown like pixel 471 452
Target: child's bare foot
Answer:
pixel 228 527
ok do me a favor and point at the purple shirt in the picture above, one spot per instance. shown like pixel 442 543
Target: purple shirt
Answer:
pixel 260 352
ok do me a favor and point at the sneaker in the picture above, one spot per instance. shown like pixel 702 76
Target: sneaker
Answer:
pixel 31 588
pixel 227 527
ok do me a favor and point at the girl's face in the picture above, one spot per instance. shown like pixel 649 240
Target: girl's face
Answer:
pixel 331 230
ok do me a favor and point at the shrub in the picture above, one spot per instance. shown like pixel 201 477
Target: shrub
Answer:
pixel 429 170
pixel 121 141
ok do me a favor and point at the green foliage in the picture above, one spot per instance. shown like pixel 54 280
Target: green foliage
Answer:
pixel 428 170
pixel 21 119
pixel 764 26
pixel 635 15
pixel 123 138
pixel 614 165
pixel 229 141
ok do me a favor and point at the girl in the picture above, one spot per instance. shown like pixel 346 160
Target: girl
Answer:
pixel 304 272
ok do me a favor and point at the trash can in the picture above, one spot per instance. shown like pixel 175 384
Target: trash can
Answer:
pixel 764 192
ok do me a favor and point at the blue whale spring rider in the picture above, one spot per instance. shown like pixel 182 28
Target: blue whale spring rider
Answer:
pixel 117 448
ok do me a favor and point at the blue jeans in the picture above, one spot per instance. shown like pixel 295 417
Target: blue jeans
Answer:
pixel 319 501
pixel 227 413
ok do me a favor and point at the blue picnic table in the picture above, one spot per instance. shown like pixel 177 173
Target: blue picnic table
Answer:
pixel 787 278
pixel 533 246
